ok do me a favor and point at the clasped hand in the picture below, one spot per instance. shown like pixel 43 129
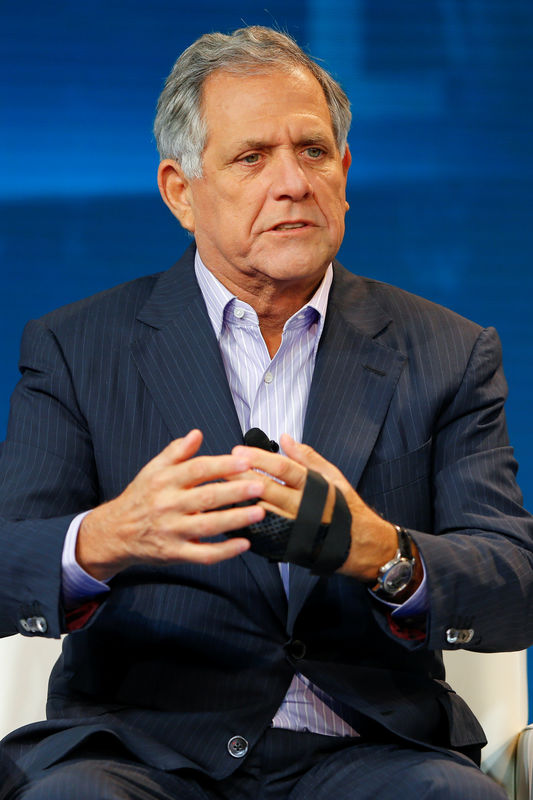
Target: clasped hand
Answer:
pixel 179 500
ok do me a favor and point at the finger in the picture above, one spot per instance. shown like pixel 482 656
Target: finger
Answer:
pixel 289 505
pixel 279 466
pixel 211 523
pixel 305 455
pixel 178 450
pixel 213 552
pixel 204 469
pixel 276 497
pixel 213 495
pixel 281 499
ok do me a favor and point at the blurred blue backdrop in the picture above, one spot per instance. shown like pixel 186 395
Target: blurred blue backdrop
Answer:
pixel 440 188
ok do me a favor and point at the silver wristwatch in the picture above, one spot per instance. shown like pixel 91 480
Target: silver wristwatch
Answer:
pixel 396 574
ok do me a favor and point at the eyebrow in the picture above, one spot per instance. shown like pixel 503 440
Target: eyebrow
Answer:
pixel 259 144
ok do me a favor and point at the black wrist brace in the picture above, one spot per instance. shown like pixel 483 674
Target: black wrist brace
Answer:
pixel 304 540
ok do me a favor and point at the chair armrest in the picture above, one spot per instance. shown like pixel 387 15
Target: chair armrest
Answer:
pixel 25 666
pixel 524 765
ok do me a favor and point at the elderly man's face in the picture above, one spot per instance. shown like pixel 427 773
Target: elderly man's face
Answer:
pixel 271 202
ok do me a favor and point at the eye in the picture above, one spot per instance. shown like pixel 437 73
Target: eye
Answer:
pixel 251 158
pixel 314 152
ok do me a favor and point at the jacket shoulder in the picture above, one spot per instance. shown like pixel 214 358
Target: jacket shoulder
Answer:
pixel 119 303
pixel 409 314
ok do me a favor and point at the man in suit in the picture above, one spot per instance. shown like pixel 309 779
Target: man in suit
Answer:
pixel 134 517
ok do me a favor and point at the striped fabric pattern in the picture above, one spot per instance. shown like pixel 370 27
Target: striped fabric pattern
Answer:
pixel 406 399
pixel 272 394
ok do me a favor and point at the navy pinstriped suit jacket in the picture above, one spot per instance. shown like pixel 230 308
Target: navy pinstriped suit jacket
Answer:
pixel 407 400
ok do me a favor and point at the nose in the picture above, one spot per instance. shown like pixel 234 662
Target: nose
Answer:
pixel 289 179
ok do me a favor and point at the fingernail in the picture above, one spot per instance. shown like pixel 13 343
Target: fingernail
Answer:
pixel 255 489
pixel 242 463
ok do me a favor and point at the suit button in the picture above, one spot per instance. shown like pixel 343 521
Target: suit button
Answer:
pixel 34 624
pixel 297 649
pixel 237 746
pixel 459 635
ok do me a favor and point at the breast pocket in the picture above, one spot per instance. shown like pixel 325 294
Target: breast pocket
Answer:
pixel 401 489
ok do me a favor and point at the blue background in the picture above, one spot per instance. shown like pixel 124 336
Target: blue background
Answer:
pixel 440 188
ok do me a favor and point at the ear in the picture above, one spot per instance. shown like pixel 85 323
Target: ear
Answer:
pixel 176 193
pixel 346 161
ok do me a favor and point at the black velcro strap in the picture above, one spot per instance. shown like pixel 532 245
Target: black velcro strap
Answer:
pixel 301 543
pixel 304 540
pixel 337 539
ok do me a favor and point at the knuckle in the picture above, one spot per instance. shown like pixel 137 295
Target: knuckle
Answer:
pixel 198 470
pixel 158 480
pixel 159 504
pixel 159 494
pixel 209 497
pixel 203 525
pixel 284 468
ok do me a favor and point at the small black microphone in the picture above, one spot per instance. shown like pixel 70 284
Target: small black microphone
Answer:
pixel 255 437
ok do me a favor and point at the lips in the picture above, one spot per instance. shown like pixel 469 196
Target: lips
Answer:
pixel 289 226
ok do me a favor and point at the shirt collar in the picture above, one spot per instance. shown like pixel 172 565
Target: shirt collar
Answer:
pixel 217 297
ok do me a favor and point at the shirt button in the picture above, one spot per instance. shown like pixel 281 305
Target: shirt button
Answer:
pixel 297 649
pixel 237 746
pixel 239 313
pixel 269 377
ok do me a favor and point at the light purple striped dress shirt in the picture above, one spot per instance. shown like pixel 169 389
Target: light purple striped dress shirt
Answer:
pixel 270 394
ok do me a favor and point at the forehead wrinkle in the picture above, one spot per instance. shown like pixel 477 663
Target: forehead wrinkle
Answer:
pixel 256 143
pixel 319 125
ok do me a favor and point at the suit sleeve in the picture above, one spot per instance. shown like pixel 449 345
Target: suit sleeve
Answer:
pixel 479 566
pixel 47 476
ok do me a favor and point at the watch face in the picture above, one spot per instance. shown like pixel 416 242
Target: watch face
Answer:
pixel 397 577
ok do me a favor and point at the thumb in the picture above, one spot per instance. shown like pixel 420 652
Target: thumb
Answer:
pixel 305 455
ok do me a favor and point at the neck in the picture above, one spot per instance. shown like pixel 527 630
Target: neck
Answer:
pixel 273 308
pixel 274 301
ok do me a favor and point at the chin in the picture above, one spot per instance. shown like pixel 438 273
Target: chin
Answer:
pixel 294 262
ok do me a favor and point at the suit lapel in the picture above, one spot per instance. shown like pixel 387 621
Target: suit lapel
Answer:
pixel 355 375
pixel 354 379
pixel 179 360
pixel 353 383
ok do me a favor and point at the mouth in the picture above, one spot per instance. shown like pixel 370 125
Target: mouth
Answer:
pixel 289 226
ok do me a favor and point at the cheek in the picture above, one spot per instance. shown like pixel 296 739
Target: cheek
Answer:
pixel 237 208
pixel 217 215
pixel 330 197
pixel 336 212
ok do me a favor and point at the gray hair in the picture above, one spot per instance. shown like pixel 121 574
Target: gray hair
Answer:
pixel 180 129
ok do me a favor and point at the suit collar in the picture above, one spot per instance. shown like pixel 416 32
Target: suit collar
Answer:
pixel 173 292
